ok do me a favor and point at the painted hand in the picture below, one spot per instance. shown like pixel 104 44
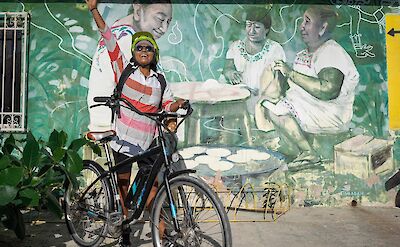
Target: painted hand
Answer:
pixel 282 67
pixel 234 77
pixel 91 4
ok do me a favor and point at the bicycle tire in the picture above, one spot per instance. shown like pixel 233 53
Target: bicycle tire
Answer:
pixel 84 227
pixel 199 210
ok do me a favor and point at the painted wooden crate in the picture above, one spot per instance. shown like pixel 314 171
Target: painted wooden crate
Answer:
pixel 363 155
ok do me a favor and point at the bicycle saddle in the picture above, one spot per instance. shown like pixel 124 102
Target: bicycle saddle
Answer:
pixel 101 136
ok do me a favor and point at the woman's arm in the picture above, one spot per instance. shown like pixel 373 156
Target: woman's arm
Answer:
pixel 92 6
pixel 326 86
pixel 117 58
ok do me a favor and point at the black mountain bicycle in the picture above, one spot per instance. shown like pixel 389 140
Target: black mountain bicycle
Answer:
pixel 189 210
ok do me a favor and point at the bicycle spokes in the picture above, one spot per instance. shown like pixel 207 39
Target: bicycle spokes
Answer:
pixel 197 214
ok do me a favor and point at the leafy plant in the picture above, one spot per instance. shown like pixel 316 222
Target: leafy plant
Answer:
pixel 32 172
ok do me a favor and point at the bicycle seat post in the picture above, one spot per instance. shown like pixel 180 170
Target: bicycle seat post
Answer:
pixel 107 150
pixel 113 176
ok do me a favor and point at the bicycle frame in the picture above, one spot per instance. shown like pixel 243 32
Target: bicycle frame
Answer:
pixel 140 191
pixel 94 210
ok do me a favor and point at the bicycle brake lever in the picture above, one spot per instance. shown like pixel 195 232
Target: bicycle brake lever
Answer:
pixel 185 105
pixel 189 109
pixel 96 105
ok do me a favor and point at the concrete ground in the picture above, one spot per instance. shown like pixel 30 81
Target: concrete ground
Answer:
pixel 346 226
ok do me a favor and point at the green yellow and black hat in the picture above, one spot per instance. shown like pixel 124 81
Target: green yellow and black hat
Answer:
pixel 139 36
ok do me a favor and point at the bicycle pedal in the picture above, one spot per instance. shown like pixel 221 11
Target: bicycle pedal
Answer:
pixel 116 218
pixel 114 231
pixel 115 224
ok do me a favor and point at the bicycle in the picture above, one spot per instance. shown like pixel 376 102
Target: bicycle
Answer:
pixel 190 210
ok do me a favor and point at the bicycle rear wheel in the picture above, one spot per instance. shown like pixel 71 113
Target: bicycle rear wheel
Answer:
pixel 86 219
pixel 200 213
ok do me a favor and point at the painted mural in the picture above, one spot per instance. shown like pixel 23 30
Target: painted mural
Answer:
pixel 289 94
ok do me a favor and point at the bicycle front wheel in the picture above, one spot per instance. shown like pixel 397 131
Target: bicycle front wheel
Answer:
pixel 86 218
pixel 202 220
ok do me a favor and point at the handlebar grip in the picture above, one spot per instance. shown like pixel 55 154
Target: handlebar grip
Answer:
pixel 189 110
pixel 101 99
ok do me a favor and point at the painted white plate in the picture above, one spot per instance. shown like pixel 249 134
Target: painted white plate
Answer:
pixel 206 159
pixel 194 150
pixel 220 165
pixel 237 158
pixel 189 152
pixel 218 152
pixel 252 154
pixel 186 155
pixel 190 164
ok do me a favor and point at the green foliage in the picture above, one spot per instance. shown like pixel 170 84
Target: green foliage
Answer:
pixel 32 172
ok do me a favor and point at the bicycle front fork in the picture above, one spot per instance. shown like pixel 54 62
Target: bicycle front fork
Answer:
pixel 171 201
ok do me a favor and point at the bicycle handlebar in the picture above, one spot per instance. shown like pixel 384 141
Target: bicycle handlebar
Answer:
pixel 101 99
pixel 113 102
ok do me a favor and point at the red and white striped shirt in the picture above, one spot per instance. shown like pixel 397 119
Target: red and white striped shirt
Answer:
pixel 135 132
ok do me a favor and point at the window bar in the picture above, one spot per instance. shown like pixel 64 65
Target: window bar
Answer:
pixel 13 81
pixel 24 71
pixel 4 69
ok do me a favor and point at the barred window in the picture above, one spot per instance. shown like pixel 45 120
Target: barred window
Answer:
pixel 13 67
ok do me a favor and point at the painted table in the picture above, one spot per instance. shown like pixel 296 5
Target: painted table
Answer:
pixel 211 99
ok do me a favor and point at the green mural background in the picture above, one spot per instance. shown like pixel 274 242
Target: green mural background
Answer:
pixel 63 40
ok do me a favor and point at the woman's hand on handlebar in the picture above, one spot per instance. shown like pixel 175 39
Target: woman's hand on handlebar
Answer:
pixel 178 104
pixel 171 123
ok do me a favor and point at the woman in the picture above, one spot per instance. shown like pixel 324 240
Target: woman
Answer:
pixel 143 89
pixel 322 86
pixel 248 59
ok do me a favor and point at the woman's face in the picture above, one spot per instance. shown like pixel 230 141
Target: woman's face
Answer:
pixel 256 31
pixel 155 18
pixel 310 28
pixel 144 53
